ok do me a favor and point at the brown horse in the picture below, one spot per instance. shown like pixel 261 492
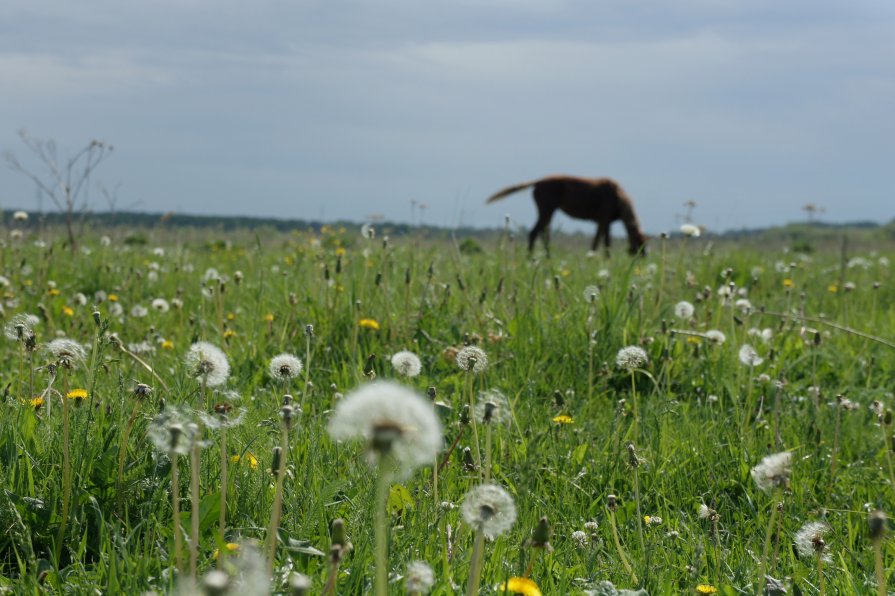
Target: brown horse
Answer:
pixel 598 199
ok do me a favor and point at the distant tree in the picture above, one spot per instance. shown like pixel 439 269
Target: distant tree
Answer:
pixel 67 182
pixel 812 210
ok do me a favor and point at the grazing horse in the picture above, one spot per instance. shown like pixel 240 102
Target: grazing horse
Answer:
pixel 598 199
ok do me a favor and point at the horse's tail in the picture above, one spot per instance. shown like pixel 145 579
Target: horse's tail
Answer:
pixel 510 190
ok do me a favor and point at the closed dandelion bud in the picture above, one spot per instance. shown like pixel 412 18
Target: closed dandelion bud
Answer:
pixel 96 318
pixel 309 331
pixel 142 390
pixel 499 287
pixel 378 279
pixel 431 271
pixel 633 460
pixel 338 534
pixel 237 277
pixel 877 524
pixel 338 264
pixel 275 463
pixel 555 282
pixel 558 399
pixel 612 502
pixel 368 367
pixel 174 433
pixel 223 286
pixel 31 342
pixel 326 272
pixel 293 298
pixel 431 393
pixel 468 463
pixel 887 417
pixel 817 338
pixel 407 276
pixel 540 536
pixel 464 415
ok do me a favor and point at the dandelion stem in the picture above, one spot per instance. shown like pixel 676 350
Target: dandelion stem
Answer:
pixel 878 567
pixel 475 564
pixel 767 545
pixel 66 475
pixel 222 520
pixel 175 507
pixel 475 430
pixel 381 530
pixel 122 451
pixel 487 452
pixel 820 575
pixel 277 503
pixel 194 499
pixel 640 519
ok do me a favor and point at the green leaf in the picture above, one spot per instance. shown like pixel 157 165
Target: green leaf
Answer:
pixel 399 500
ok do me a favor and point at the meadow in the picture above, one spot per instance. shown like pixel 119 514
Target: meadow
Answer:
pixel 711 418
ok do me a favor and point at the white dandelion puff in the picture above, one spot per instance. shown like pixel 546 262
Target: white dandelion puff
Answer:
pixel 397 423
pixel 20 326
pixel 161 305
pixel 66 352
pixel 407 363
pixel 139 311
pixel 773 471
pixel 472 359
pixel 591 294
pixel 690 230
pixel 489 509
pixel 492 407
pixel 207 361
pixel 810 541
pixel 631 357
pixel 683 310
pixel 715 337
pixel 749 356
pixel 284 367
pixel 419 578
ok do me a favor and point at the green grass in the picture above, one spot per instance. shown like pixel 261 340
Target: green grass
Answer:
pixel 703 419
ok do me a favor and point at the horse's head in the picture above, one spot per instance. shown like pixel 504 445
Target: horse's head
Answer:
pixel 637 244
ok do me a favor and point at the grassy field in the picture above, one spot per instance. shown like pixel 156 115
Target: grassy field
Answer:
pixel 640 469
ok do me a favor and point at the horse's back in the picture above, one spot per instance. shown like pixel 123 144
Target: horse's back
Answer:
pixel 596 199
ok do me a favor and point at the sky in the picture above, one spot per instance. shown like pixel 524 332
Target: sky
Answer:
pixel 352 109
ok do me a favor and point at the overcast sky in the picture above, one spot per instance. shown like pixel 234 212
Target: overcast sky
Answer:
pixel 343 109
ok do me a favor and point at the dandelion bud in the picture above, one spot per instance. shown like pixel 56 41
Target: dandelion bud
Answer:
pixel 555 282
pixel 175 431
pixel 468 463
pixel 464 415
pixel 407 276
pixel 633 460
pixel 337 532
pixel 293 298
pixel 338 264
pixel 275 464
pixel 878 525
pixel 540 536
pixel 887 417
pixel 612 502
pixel 142 390
pixel 431 393
pixel 299 584
pixel 368 367
pixel 876 285
pixel 326 272
pixel 378 279
pixel 237 277
pixel 309 331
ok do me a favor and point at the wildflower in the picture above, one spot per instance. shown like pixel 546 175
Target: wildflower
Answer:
pixel 66 352
pixel 690 230
pixel 591 526
pixel 229 333
pixel 68 311
pixel 492 407
pixel 161 305
pixel 53 292
pixel 407 363
pixel 683 310
pixel 248 458
pixel 787 283
pixel 744 305
pixel 20 326
pixel 773 471
pixel 78 395
pixel 209 362
pixel 715 337
pixel 419 578
pixel 472 359
pixel 20 216
pixel 112 298
pixel 139 311
pixel 142 390
pixel 706 589
pixel 749 356
pixel 369 324
pixel 368 231
pixel 591 293
pixel 563 419
pixel 520 585
pixel 284 367
pixel 395 421
pixel 167 344
pixel 268 318
pixel 230 547
pixel 630 358
pixel 36 402
pixel 172 432
pixel 490 509
pixel 580 538
pixel 810 541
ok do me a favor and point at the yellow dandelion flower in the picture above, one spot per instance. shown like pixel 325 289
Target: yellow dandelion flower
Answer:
pixel 167 345
pixel 520 585
pixel 563 419
pixel 112 297
pixel 77 394
pixel 68 311
pixel 340 252
pixel 565 273
pixel 692 339
pixel 369 324
pixel 832 288
pixel 36 403
pixel 53 292
pixel 647 519
pixel 231 316
pixel 230 547
pixel 28 282
pixel 706 589
pixel 269 317
pixel 287 260
pixel 229 333
pixel 250 459
pixel 787 283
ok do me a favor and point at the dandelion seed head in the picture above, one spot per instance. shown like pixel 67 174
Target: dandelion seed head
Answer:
pixel 492 407
pixel 66 352
pixel 161 305
pixel 489 509
pixel 209 362
pixel 690 230
pixel 773 471
pixel 20 326
pixel 472 359
pixel 749 356
pixel 581 539
pixel 139 311
pixel 631 357
pixel 810 541
pixel 395 422
pixel 591 293
pixel 715 337
pixel 284 367
pixel 684 310
pixel 407 363
pixel 419 578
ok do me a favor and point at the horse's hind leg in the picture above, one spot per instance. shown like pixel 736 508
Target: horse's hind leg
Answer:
pixel 541 227
pixel 602 234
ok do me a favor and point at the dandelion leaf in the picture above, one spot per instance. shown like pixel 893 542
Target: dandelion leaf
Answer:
pixel 399 500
